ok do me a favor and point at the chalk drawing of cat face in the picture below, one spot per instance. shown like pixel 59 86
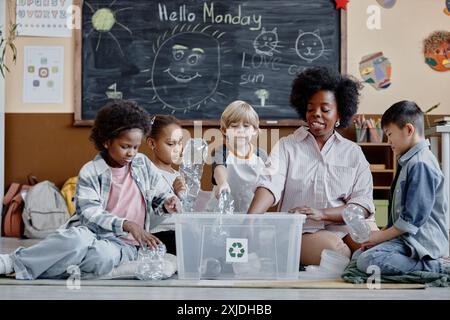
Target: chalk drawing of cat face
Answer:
pixel 266 42
pixel 309 46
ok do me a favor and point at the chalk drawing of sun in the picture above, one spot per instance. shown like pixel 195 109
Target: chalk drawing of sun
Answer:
pixel 186 67
pixel 103 20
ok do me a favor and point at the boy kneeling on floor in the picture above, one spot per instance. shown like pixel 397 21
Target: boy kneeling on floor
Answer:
pixel 416 236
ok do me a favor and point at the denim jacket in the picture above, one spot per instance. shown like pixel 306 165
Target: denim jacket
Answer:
pixel 419 203
pixel 92 194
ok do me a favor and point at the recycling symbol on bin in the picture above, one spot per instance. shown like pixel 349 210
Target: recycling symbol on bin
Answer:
pixel 236 250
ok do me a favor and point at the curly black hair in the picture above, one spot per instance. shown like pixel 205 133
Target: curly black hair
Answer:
pixel 310 81
pixel 115 117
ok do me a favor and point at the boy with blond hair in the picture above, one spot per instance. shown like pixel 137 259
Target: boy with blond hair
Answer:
pixel 237 164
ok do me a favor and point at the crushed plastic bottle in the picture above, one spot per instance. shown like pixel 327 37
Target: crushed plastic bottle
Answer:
pixel 252 266
pixel 210 268
pixel 353 216
pixel 151 262
pixel 191 170
pixel 225 205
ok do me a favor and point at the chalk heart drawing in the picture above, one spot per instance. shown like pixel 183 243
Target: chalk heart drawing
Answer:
pixel 266 43
pixel 309 46
pixel 186 69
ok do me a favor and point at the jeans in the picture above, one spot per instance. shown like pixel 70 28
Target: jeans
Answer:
pixel 393 258
pixel 50 258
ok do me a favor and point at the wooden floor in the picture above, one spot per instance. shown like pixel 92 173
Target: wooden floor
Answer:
pixel 31 292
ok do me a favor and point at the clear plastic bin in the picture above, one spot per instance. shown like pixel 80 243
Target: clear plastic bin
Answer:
pixel 238 246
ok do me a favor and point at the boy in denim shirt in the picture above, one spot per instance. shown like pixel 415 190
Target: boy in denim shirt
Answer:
pixel 416 236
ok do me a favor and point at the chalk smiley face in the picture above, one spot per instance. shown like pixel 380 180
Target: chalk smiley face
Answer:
pixel 185 58
pixel 186 70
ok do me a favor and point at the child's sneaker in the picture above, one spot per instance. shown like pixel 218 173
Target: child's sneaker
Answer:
pixel 6 264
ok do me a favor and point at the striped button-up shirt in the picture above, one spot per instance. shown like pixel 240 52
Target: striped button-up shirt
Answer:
pixel 92 193
pixel 299 174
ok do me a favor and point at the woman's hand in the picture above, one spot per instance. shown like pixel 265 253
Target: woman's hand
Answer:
pixel 225 187
pixel 179 186
pixel 172 204
pixel 140 235
pixel 311 213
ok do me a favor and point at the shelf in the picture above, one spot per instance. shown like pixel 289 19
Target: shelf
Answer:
pixel 381 188
pixel 383 165
pixel 370 144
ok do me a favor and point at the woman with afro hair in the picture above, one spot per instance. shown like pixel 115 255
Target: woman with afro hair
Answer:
pixel 315 171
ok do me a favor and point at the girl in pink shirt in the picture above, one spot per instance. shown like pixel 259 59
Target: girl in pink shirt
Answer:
pixel 116 195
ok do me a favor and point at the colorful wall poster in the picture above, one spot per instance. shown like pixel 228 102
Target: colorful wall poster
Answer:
pixel 376 70
pixel 43 74
pixel 43 18
pixel 436 49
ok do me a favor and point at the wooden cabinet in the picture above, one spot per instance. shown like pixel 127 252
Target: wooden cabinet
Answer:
pixel 383 167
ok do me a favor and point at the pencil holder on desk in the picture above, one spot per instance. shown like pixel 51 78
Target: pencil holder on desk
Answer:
pixel 375 135
pixel 361 134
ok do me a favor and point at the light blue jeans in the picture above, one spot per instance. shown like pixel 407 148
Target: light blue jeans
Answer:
pixel 50 258
pixel 393 258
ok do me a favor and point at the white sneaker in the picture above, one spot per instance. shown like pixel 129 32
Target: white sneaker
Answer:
pixel 6 264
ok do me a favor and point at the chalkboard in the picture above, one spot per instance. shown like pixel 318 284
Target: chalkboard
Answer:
pixel 192 58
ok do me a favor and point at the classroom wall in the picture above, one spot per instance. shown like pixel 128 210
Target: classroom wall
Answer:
pixel 402 30
pixel 40 138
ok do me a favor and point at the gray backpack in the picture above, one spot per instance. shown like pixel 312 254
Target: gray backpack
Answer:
pixel 45 210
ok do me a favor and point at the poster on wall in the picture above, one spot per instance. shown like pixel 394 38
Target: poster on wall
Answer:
pixel 43 74
pixel 436 49
pixel 376 70
pixel 43 18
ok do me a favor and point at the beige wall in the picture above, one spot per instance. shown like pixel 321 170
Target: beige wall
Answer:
pixel 402 30
pixel 400 38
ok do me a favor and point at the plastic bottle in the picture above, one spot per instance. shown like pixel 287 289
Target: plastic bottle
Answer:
pixel 151 262
pixel 353 216
pixel 210 268
pixel 225 204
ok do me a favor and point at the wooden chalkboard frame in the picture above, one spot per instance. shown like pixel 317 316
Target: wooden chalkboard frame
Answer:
pixel 78 121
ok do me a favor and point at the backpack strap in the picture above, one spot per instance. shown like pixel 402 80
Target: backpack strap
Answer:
pixel 14 188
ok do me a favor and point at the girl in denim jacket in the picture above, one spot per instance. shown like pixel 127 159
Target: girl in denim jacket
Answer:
pixel 117 193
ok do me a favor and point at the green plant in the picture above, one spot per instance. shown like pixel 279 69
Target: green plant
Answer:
pixel 7 41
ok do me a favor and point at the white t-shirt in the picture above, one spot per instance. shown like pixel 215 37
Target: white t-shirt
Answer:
pixel 243 174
